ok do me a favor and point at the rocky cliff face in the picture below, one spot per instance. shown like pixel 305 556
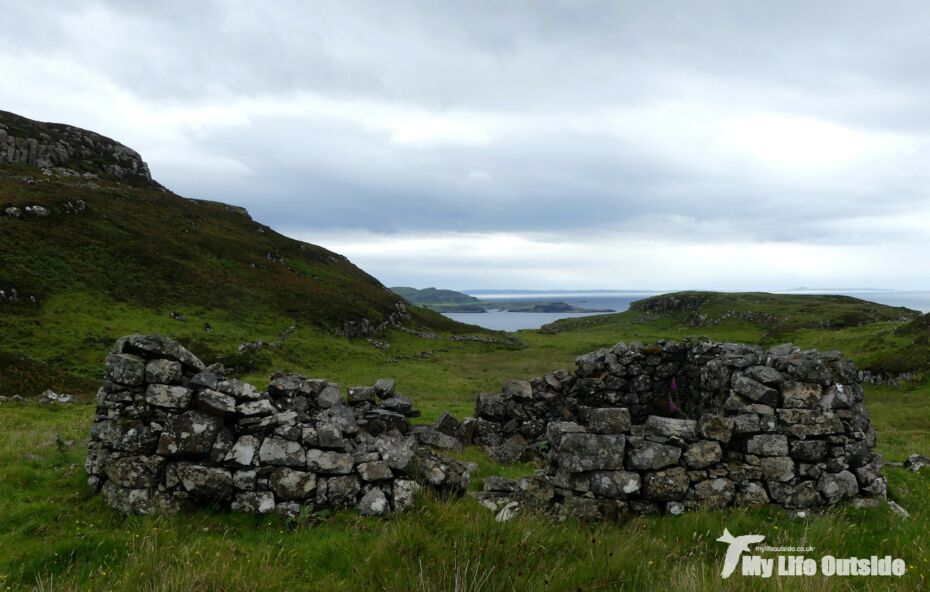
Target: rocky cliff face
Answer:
pixel 65 150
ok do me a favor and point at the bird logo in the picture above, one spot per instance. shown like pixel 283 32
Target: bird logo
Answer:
pixel 738 545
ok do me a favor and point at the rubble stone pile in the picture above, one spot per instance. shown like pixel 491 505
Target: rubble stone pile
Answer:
pixel 169 430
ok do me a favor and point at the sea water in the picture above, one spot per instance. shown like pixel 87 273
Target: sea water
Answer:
pixel 620 301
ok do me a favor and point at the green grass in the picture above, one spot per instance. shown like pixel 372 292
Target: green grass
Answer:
pixel 59 536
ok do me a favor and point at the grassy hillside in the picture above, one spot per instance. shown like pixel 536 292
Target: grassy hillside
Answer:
pixel 882 339
pixel 111 258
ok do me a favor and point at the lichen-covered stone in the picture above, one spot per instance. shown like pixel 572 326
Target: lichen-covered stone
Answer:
pixel 374 503
pixel 800 395
pixel 170 397
pixel 375 471
pixel 289 484
pixel 778 468
pixel 254 502
pixel 126 369
pixel 243 451
pixel 837 486
pixel 190 434
pixel 437 439
pixel 591 452
pixel 715 427
pixel 163 371
pixel 768 445
pixel 755 391
pixel 610 420
pixel 651 456
pixel 207 483
pixel 215 402
pixel 715 493
pixel 404 494
pixel 278 451
pixel 329 462
pixel 663 428
pixel 615 484
pixel 666 485
pixel 703 454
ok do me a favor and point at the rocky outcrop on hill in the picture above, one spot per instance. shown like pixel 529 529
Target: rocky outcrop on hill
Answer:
pixel 169 430
pixel 65 150
pixel 365 328
pixel 741 425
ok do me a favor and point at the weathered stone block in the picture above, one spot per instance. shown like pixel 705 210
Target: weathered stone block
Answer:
pixel 208 483
pixel 667 485
pixel 715 427
pixel 328 462
pixel 809 450
pixel 216 403
pixel 243 451
pixel 668 427
pixel 189 434
pixel 169 397
pixel 374 503
pixel 610 420
pixel 615 484
pixel 703 454
pixel 375 471
pixel 126 369
pixel 280 452
pixel 163 371
pixel 768 445
pixel 289 484
pixel 800 395
pixel 777 468
pixel 755 391
pixel 715 493
pixel 254 502
pixel 837 486
pixel 591 452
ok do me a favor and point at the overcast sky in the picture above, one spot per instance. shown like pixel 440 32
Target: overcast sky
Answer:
pixel 569 144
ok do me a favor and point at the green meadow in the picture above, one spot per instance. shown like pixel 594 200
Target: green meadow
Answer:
pixel 58 535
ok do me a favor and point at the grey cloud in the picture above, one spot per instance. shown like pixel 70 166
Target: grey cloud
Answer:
pixel 560 118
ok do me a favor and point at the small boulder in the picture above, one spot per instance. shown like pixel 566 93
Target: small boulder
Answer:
pixel 373 503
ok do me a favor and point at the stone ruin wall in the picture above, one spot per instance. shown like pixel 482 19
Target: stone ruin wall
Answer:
pixel 745 426
pixel 169 430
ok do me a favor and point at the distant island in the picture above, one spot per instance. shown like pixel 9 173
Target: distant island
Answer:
pixel 452 301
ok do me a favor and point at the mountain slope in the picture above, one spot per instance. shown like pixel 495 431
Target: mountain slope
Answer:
pixel 113 248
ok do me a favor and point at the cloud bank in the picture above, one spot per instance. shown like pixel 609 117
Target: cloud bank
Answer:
pixel 726 145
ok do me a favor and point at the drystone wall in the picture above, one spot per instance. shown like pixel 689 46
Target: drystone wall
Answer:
pixel 741 425
pixel 168 430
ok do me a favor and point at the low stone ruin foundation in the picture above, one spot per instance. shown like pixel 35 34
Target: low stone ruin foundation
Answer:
pixel 744 426
pixel 169 430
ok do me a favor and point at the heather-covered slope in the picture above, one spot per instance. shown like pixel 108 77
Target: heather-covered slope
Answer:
pixel 84 258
